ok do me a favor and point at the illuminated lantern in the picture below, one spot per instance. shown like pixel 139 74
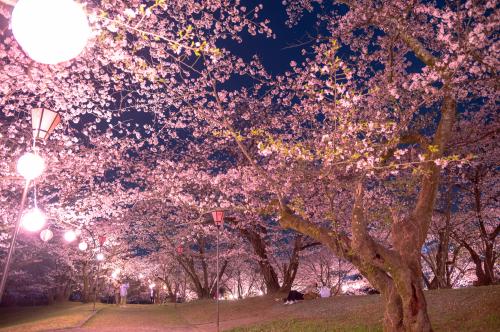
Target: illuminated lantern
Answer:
pixel 70 236
pixel 43 122
pixel 33 220
pixel 180 249
pixel 100 256
pixel 83 246
pixel 218 217
pixel 30 166
pixel 50 31
pixel 46 235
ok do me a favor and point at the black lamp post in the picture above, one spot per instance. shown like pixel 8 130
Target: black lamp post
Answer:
pixel 218 217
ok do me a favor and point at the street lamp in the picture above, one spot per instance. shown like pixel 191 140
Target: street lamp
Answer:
pixel 33 220
pixel 82 246
pixel 69 236
pixel 46 235
pixel 218 217
pixel 50 31
pixel 30 166
pixel 43 122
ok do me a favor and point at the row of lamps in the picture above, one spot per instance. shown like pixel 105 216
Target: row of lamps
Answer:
pixel 50 32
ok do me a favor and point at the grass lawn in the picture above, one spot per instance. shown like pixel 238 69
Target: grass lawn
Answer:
pixel 58 316
pixel 471 309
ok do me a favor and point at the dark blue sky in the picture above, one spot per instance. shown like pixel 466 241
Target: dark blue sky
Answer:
pixel 272 52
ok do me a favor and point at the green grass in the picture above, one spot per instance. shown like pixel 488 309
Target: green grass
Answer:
pixel 471 309
pixel 58 316
pixel 152 316
pixel 307 325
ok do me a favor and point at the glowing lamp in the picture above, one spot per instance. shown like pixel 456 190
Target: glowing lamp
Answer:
pixel 70 236
pixel 50 31
pixel 43 122
pixel 46 235
pixel 83 246
pixel 30 166
pixel 33 220
pixel 100 256
pixel 218 216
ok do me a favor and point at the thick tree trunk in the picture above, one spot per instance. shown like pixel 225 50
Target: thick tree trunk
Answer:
pixel 409 285
pixel 259 246
pixel 268 272
pixel 86 288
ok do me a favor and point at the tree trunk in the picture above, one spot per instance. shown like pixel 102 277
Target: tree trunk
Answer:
pixel 290 271
pixel 268 273
pixel 414 305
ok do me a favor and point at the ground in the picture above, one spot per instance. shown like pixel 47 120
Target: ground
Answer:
pixel 471 309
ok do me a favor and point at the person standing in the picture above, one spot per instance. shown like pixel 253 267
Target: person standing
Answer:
pixel 123 293
pixel 324 292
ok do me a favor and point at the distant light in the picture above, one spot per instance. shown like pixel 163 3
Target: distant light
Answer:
pixel 30 166
pixel 46 235
pixel 70 236
pixel 50 31
pixel 83 246
pixel 115 273
pixel 141 275
pixel 164 286
pixel 153 285
pixel 100 256
pixel 33 220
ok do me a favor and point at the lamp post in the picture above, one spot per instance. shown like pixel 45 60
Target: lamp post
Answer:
pixel 218 217
pixel 30 166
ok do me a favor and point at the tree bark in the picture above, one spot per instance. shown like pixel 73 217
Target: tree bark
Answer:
pixel 259 246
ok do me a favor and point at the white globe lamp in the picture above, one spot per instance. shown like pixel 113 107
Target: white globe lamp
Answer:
pixel 83 246
pixel 46 235
pixel 33 220
pixel 50 31
pixel 70 236
pixel 30 166
pixel 100 256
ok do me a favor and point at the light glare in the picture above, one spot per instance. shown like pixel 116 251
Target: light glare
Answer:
pixel 30 166
pixel 82 246
pixel 33 220
pixel 70 236
pixel 50 31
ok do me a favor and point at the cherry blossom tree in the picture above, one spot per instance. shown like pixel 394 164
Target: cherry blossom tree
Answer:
pixel 366 123
pixel 345 149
